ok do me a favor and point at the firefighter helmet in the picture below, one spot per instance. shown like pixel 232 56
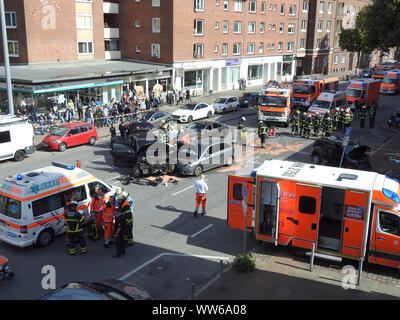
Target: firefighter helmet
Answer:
pixel 260 122
pixel 347 109
pixel 73 204
pixel 298 111
pixel 243 118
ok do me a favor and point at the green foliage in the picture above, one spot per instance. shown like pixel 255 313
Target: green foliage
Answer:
pixel 244 263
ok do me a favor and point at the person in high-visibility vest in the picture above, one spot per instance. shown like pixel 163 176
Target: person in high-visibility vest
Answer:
pixel 363 115
pixel 125 207
pixel 96 207
pixel 242 134
pixel 316 123
pixel 307 126
pixel 348 118
pixel 341 119
pixel 108 220
pixel 295 123
pixel 327 126
pixel 262 133
pixel 336 119
pixel 303 118
pixel 74 220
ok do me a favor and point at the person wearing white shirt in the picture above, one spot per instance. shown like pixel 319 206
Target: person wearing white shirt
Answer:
pixel 201 195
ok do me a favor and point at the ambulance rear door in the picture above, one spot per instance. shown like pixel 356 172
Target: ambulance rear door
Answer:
pixel 306 215
pixel 235 218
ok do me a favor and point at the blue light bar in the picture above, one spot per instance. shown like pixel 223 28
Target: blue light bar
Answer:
pixel 19 177
pixel 391 195
pixel 64 166
pixel 253 174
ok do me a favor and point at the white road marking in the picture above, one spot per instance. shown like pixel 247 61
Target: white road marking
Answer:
pixel 113 178
pixel 198 232
pixel 182 190
pixel 98 159
pixel 169 254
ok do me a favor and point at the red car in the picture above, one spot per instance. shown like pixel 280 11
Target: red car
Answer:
pixel 70 135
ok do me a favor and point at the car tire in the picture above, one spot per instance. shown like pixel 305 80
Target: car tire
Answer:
pixel 223 110
pixel 209 114
pixel 229 161
pixel 136 171
pixel 19 155
pixel 92 141
pixel 45 238
pixel 198 171
pixel 62 147
pixel 190 119
pixel 316 158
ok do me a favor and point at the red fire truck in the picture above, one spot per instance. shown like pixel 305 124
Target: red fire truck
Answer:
pixel 366 91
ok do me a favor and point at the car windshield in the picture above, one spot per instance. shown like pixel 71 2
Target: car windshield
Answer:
pixel 390 80
pixel 188 107
pixel 148 115
pixel 220 100
pixel 355 93
pixel 60 131
pixel 246 95
pixel 323 104
pixel 196 126
pixel 380 71
pixel 273 101
pixel 299 88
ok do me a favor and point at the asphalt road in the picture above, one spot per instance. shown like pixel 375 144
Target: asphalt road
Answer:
pixel 172 250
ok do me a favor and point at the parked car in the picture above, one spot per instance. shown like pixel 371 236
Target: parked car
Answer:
pixel 191 111
pixel 70 135
pixel 395 119
pixel 194 159
pixel 329 151
pixel 366 73
pixel 205 128
pixel 156 117
pixel 249 99
pixel 102 290
pixel 225 104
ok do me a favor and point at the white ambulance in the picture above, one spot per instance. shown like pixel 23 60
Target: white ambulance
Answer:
pixel 32 203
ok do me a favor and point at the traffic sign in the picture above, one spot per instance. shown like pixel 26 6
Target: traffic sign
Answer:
pixel 347 133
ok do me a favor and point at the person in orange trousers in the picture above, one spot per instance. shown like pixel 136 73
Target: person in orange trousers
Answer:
pixel 96 207
pixel 108 220
pixel 201 197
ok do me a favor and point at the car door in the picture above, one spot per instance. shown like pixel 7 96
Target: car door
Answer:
pixel 72 137
pixel 210 158
pixel 200 112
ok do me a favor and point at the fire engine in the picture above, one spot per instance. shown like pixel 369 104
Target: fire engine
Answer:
pixel 366 91
pixel 342 213
pixel 307 88
pixel 391 82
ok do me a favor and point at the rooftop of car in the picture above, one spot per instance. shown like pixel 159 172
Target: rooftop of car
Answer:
pixel 73 125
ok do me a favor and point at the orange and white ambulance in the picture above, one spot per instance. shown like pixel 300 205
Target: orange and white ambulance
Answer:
pixel 345 213
pixel 32 203
pixel 391 82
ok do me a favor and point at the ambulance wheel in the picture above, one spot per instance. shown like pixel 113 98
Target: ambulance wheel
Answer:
pixel 198 171
pixel 62 147
pixel 229 161
pixel 92 141
pixel 45 238
pixel 19 155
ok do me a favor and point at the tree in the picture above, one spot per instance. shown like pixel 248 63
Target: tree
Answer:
pixel 351 40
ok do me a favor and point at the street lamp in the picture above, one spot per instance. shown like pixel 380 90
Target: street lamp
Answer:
pixel 6 58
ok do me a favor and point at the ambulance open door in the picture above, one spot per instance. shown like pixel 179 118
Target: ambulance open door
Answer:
pixel 235 217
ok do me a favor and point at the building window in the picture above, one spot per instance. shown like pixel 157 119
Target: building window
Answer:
pixel 344 58
pixel 155 3
pixel 328 26
pixel 237 27
pixel 292 10
pixel 224 49
pixel 226 5
pixel 84 21
pixel 340 7
pixel 335 59
pixel 269 27
pixel 262 27
pixel 318 43
pixel 282 9
pixel 290 46
pixel 217 2
pixel 216 25
pixel 155 50
pixel 251 27
pixel 272 46
pixel 216 48
pixel 193 79
pixel 263 7
pixel 226 27
pixel 138 49
pixel 137 23
pixel 321 7
pixel 275 7
pixel 303 25
pixel 199 5
pixel 336 44
pixel 236 48
pixel 13 48
pixel 281 27
pixel 254 72
pixel 270 7
pixel 250 48
pixel 268 46
pixel 338 25
pixel 273 27
pixel 290 28
pixel 320 23
pixel 198 27
pixel 261 47
pixel 252 6
pixel 198 50
pixel 11 20
pixel 305 5
pixel 238 5
pixel 85 47
pixel 330 5
pixel 156 25
pixel 111 45
pixel 280 45
pixel 302 43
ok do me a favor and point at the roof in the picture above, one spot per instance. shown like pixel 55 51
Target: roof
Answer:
pixel 331 95
pixel 363 80
pixel 317 175
pixel 277 91
pixel 77 70
pixel 8 120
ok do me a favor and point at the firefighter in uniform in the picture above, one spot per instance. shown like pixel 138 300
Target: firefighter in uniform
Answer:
pixel 363 115
pixel 372 114
pixel 348 118
pixel 74 220
pixel 295 123
pixel 120 230
pixel 317 121
pixel 108 220
pixel 164 131
pixel 307 126
pixel 242 134
pixel 125 207
pixel 327 126
pixel 262 133
pixel 336 119
pixel 341 119
pixel 302 119
pixel 96 207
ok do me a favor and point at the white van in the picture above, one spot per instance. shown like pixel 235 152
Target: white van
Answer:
pixel 32 204
pixel 16 138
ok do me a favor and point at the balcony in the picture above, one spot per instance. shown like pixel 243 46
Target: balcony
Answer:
pixel 111 6
pixel 112 55
pixel 111 33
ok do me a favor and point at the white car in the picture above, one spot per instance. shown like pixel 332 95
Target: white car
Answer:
pixel 224 104
pixel 192 111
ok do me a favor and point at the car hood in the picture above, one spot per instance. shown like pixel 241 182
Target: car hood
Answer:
pixel 134 292
pixel 316 109
pixel 51 138
pixel 181 112
pixel 359 151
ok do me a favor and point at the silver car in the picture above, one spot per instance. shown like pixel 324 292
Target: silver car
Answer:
pixel 225 104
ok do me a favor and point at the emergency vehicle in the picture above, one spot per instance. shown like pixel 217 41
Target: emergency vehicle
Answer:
pixel 275 104
pixel 381 68
pixel 391 82
pixel 307 88
pixel 32 203
pixel 366 91
pixel 345 213
pixel 327 102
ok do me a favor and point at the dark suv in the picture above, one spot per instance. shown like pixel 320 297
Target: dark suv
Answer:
pixel 249 99
pixel 329 151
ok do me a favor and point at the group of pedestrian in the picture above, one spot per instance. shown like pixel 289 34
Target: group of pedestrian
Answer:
pixel 242 84
pixel 113 219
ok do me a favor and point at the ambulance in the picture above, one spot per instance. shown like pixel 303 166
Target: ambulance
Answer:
pixel 32 204
pixel 365 91
pixel 345 213
pixel 327 102
pixel 381 68
pixel 307 88
pixel 391 82
pixel 275 105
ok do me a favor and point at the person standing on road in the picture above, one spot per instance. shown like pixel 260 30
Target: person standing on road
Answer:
pixel 201 195
pixel 74 220
pixel 336 119
pixel 122 129
pixel 126 208
pixel 363 115
pixel 327 126
pixel 70 109
pixel 372 114
pixel 295 123
pixel 262 133
pixel 341 119
pixel 108 220
pixel 96 208
pixel 348 118
pixel 316 123
pixel 120 229
pixel 113 132
pixel 242 134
